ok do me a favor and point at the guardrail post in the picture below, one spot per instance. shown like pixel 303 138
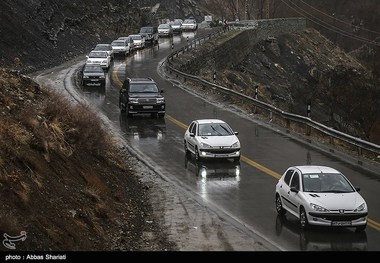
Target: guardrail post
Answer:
pixel 308 111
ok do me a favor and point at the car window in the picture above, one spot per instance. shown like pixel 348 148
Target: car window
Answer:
pixel 118 43
pixel 95 54
pixel 288 176
pixel 214 129
pixel 193 128
pixel 143 88
pixel 334 183
pixel 92 68
pixel 295 182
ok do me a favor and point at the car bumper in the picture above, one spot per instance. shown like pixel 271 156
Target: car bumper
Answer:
pixel 156 108
pixel 337 220
pixel 206 153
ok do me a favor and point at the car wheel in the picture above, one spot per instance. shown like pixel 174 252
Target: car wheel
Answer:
pixel 360 228
pixel 237 159
pixel 303 219
pixel 280 210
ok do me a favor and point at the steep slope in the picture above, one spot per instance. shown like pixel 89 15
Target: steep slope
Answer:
pixel 295 70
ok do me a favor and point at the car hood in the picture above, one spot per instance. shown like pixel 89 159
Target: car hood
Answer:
pixel 331 201
pixel 94 60
pixel 144 95
pixel 93 74
pixel 218 140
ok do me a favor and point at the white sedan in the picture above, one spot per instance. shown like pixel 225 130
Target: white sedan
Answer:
pixel 211 138
pixel 321 196
pixel 99 58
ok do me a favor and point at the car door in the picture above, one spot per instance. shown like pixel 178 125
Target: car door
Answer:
pixel 293 193
pixel 191 142
pixel 284 188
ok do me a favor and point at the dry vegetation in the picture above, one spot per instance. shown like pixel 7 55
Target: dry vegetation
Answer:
pixel 62 180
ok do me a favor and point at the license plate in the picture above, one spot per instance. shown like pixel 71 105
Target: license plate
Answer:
pixel 147 107
pixel 94 80
pixel 341 223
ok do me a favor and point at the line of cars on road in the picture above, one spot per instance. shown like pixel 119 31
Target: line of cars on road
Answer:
pixel 314 194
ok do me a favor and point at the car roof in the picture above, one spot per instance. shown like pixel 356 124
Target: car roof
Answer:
pixel 315 169
pixel 202 121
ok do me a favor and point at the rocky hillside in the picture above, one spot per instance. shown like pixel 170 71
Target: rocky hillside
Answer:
pixel 292 71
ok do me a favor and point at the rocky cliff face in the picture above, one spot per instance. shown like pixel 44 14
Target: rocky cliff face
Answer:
pixel 291 71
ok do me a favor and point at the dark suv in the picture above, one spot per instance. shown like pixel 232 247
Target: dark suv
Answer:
pixel 150 34
pixel 141 95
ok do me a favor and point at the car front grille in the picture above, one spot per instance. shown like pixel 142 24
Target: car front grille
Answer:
pixel 221 150
pixel 147 100
pixel 339 217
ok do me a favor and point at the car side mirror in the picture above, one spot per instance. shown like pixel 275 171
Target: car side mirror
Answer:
pixel 357 189
pixel 293 189
pixel 192 134
pixel 162 91
pixel 236 133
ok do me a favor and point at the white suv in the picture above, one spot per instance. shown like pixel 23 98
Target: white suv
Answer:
pixel 120 47
pixel 99 58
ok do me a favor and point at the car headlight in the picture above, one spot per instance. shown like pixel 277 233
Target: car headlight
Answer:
pixel 360 208
pixel 318 208
pixel 102 77
pixel 236 145
pixel 86 77
pixel 133 100
pixel 205 145
pixel 160 100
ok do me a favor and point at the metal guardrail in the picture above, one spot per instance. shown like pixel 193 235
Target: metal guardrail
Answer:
pixel 361 146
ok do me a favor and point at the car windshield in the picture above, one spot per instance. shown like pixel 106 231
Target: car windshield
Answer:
pixel 146 30
pixel 136 37
pixel 92 68
pixel 189 22
pixel 326 183
pixel 95 54
pixel 102 48
pixel 118 43
pixel 143 88
pixel 214 129
pixel 164 26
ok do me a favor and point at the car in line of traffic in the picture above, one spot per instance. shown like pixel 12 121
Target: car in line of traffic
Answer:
pixel 92 75
pixel 210 139
pixel 101 58
pixel 165 30
pixel 120 47
pixel 141 96
pixel 320 196
pixel 189 25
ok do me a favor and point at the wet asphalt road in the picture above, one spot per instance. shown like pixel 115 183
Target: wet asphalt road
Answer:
pixel 242 193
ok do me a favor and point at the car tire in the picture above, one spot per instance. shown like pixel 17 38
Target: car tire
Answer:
pixel 280 210
pixel 303 219
pixel 161 115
